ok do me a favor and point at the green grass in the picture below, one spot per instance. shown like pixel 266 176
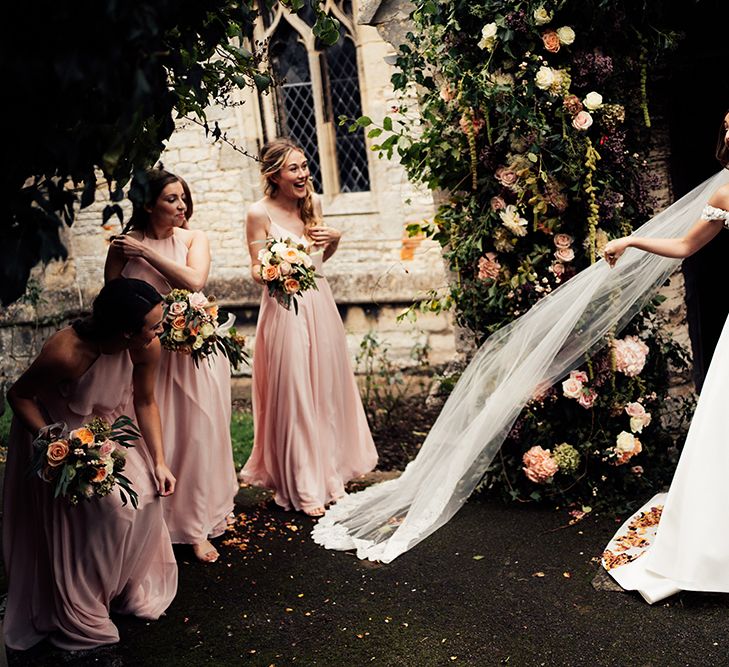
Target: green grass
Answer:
pixel 241 432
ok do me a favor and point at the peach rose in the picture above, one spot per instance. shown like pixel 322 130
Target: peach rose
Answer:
pixel 178 323
pixel 497 203
pixel 269 273
pixel 557 269
pixel 57 452
pixel 178 308
pixel 582 121
pixel 563 240
pixel 83 434
pixel 285 268
pixel 291 286
pixel 572 388
pixel 291 255
pixel 101 474
pixel 564 254
pixel 551 41
pixel 539 466
pixel 488 267
pixel 213 311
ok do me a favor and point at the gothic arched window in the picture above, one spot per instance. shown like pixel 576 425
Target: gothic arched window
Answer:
pixel 320 84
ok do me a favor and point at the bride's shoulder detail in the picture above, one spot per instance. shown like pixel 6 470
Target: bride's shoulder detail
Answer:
pixel 713 213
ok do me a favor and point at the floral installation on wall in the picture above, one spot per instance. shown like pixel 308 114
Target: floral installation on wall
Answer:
pixel 533 126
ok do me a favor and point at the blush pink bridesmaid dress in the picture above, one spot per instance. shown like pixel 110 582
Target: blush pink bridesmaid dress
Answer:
pixel 68 566
pixel 195 410
pixel 311 433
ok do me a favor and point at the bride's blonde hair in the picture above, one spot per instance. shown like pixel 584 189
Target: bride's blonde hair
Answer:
pixel 273 157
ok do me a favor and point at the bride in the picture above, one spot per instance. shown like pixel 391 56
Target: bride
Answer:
pixel 690 549
pixel 539 348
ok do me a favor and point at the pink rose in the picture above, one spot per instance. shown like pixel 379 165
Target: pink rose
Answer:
pixel 557 268
pixel 507 177
pixel 563 241
pixel 106 448
pixel 178 308
pixel 587 397
pixel 498 203
pixel 635 409
pixel 198 300
pixel 572 388
pixel 582 121
pixel 291 285
pixel 539 466
pixel 630 355
pixel 551 41
pixel 579 375
pixel 564 254
pixel 488 267
pixel 285 268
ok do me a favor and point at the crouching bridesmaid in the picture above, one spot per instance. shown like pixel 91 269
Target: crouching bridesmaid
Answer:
pixel 69 565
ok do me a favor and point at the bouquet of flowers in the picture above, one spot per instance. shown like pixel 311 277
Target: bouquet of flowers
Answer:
pixel 191 327
pixel 287 270
pixel 86 462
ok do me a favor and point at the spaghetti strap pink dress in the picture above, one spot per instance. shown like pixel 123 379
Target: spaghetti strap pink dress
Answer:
pixel 311 433
pixel 68 566
pixel 195 410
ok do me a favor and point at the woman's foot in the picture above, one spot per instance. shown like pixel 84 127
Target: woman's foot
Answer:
pixel 314 511
pixel 205 552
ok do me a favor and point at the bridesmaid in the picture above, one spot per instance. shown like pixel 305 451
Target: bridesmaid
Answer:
pixel 194 402
pixel 68 566
pixel 311 433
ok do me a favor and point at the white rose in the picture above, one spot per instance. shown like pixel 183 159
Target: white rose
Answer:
pixel 572 388
pixel 198 343
pixel 178 335
pixel 592 101
pixel 278 248
pixel 265 256
pixel 542 16
pixel 625 443
pixel 545 77
pixel 207 330
pixel 637 424
pixel 513 221
pixel 488 36
pixel 566 35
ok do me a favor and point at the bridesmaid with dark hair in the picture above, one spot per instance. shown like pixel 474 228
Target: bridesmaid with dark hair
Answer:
pixel 194 401
pixel 69 566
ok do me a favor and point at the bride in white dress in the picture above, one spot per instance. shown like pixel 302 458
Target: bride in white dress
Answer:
pixel 688 549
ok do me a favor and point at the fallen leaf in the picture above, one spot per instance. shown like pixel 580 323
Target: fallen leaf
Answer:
pixel 478 557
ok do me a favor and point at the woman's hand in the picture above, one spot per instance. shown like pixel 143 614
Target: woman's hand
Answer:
pixel 165 479
pixel 256 274
pixel 128 246
pixel 615 248
pixel 325 235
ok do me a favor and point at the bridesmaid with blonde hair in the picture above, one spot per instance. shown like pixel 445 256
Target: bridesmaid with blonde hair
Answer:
pixel 311 433
pixel 194 401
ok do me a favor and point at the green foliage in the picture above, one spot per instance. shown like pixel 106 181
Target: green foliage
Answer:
pixel 533 123
pixel 96 87
pixel 241 433
pixel 385 385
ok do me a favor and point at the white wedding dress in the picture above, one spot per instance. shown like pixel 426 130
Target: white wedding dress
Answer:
pixel 689 547
pixel 536 350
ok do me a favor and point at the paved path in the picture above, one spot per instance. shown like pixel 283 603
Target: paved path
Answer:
pixel 496 586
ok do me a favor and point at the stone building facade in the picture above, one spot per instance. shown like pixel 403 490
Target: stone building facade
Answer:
pixel 377 270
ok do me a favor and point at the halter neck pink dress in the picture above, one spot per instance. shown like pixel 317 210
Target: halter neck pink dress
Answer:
pixel 311 433
pixel 195 410
pixel 68 566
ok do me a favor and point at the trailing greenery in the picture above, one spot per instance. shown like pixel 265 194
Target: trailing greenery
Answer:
pixel 96 86
pixel 533 125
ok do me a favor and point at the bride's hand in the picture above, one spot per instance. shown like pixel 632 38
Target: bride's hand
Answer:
pixel 322 235
pixel 615 248
pixel 165 479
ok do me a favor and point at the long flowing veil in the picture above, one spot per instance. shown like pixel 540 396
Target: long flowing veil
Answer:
pixel 542 346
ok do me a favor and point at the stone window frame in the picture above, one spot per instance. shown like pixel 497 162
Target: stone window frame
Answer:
pixel 326 129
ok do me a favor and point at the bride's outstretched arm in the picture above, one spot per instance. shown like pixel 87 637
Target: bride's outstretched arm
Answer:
pixel 695 239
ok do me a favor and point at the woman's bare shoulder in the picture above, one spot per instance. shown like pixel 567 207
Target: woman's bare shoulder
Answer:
pixel 720 199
